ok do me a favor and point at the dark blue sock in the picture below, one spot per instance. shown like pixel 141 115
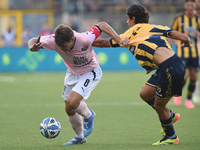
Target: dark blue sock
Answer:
pixel 191 89
pixel 168 127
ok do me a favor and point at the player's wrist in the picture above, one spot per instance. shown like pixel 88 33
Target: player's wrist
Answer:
pixel 117 39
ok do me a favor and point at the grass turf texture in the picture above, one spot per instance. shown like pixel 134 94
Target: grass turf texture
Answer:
pixel 123 120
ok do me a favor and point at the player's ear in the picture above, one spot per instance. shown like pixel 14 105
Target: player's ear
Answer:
pixel 73 38
pixel 133 19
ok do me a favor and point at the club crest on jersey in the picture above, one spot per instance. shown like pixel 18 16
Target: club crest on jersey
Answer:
pixel 84 48
pixel 46 37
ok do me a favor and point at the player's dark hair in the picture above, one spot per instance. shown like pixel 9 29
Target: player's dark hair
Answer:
pixel 139 12
pixel 63 34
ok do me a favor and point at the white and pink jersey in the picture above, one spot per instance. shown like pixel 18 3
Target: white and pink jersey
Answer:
pixel 81 58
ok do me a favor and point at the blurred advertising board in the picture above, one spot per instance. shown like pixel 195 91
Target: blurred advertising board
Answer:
pixel 20 59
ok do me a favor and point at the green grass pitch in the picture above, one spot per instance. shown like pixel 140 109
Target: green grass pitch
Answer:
pixel 123 121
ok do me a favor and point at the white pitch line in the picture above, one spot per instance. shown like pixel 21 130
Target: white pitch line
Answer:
pixel 89 104
pixel 7 79
pixel 115 103
pixel 25 80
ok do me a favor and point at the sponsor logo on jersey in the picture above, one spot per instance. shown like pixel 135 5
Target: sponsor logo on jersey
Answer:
pixel 46 37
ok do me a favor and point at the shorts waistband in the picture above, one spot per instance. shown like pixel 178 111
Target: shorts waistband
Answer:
pixel 168 60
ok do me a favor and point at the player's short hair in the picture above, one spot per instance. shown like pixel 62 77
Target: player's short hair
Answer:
pixel 63 34
pixel 139 12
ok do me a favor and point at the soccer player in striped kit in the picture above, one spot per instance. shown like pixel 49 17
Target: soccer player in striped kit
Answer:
pixel 188 23
pixel 148 43
pixel 83 73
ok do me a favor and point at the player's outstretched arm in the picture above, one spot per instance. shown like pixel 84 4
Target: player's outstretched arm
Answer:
pixel 111 32
pixel 101 43
pixel 180 36
pixel 33 45
pixel 105 43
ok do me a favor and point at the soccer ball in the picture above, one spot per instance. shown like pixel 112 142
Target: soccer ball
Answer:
pixel 50 127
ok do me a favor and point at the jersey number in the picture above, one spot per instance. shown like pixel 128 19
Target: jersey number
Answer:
pixel 86 82
pixel 134 32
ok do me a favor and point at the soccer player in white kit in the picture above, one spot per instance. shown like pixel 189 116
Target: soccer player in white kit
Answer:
pixel 83 73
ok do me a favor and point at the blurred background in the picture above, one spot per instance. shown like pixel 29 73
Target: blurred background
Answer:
pixel 24 19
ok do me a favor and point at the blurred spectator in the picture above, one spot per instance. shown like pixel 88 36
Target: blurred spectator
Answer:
pixel 94 5
pixel 148 4
pixel 26 35
pixel 72 6
pixel 46 30
pixel 9 37
pixel 57 6
pixel 122 5
pixel 74 25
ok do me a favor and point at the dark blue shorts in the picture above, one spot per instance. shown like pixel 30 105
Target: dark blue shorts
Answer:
pixel 168 78
pixel 191 62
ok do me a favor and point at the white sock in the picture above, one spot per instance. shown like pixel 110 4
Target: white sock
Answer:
pixel 83 110
pixel 88 116
pixel 77 124
pixel 80 136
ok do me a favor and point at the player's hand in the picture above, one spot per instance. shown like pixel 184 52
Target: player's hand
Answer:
pixel 124 42
pixel 36 47
pixel 187 44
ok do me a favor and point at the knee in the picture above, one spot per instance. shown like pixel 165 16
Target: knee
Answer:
pixel 69 108
pixel 73 100
pixel 71 104
pixel 146 96
pixel 142 95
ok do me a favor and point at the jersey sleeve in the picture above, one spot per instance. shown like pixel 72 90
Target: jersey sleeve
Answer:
pixel 94 33
pixel 113 43
pixel 166 31
pixel 174 25
pixel 48 42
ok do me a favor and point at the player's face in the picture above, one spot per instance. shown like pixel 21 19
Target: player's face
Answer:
pixel 189 7
pixel 130 22
pixel 68 45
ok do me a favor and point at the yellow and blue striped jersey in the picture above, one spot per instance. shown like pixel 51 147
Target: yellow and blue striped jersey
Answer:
pixel 184 24
pixel 144 40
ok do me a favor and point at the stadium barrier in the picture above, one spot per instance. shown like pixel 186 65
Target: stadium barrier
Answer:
pixel 20 59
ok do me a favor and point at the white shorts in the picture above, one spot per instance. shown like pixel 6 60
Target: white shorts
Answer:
pixel 82 84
